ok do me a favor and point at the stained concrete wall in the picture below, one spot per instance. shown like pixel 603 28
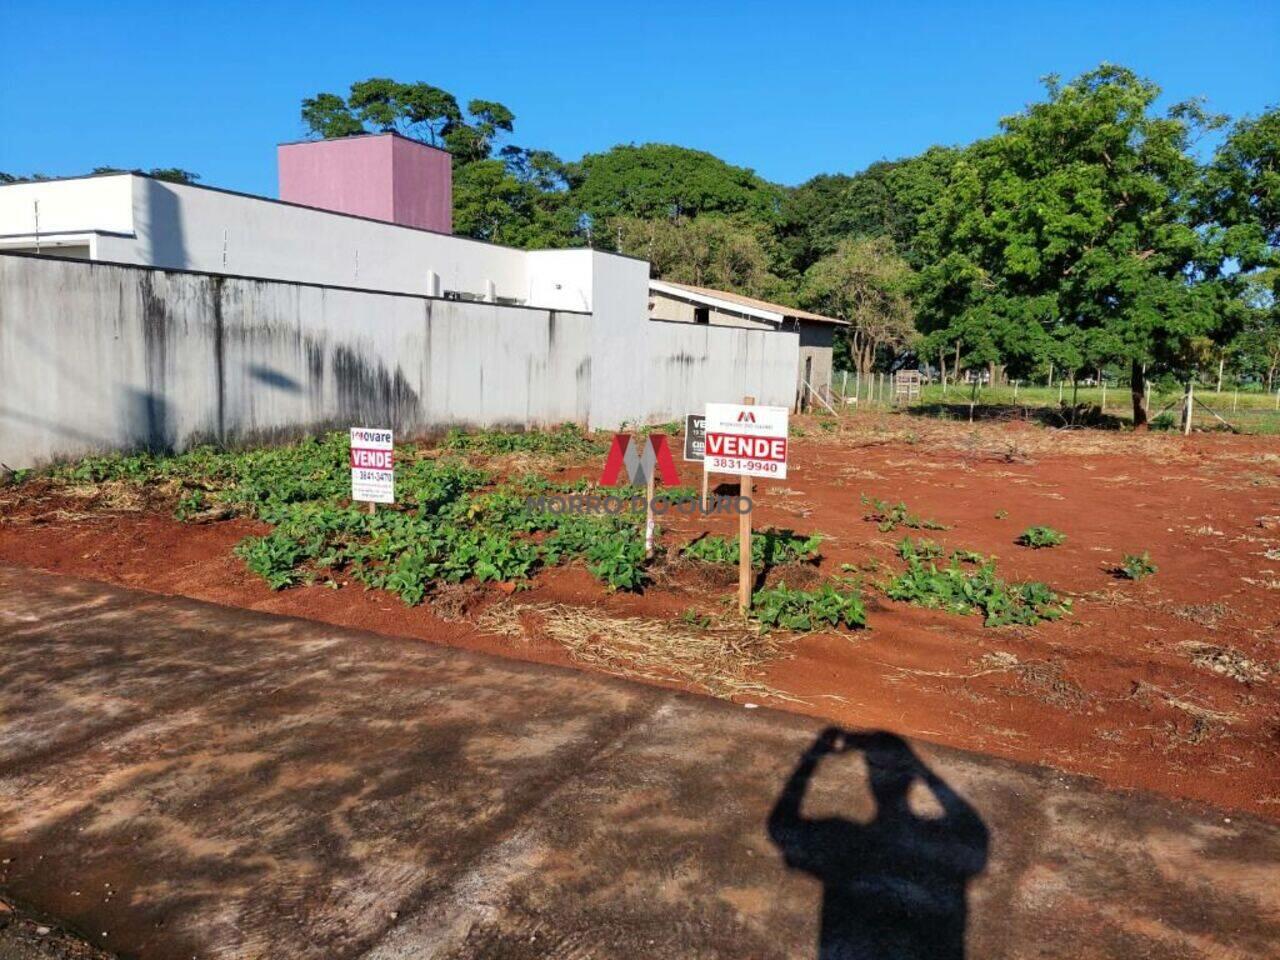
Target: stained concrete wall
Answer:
pixel 97 356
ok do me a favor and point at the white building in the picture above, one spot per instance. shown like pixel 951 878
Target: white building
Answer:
pixel 138 312
pixel 134 219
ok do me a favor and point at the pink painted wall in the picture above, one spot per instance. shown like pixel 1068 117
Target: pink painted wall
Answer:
pixel 422 185
pixel 380 176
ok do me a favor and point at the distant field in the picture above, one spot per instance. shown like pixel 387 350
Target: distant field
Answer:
pixel 1249 412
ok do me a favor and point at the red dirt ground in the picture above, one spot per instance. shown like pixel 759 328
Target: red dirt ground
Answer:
pixel 1111 691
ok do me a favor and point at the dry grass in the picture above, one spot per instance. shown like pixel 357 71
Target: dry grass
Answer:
pixel 1207 615
pixel 724 661
pixel 1226 661
pixel 1042 679
pixel 1145 692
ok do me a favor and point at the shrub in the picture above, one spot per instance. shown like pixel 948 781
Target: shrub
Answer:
pixel 790 609
pixel 1040 537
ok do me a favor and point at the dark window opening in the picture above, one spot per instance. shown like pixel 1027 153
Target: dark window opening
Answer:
pixel 701 314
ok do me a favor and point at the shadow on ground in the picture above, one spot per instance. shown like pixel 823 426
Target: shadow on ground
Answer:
pixel 897 884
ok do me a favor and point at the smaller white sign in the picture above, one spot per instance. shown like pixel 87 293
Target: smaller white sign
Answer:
pixel 746 440
pixel 372 465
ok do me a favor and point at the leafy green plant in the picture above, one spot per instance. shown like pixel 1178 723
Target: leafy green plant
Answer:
pixel 190 504
pixel 618 560
pixel 790 609
pixel 1136 566
pixel 956 590
pixel 273 557
pixel 1040 537
pixel 692 618
pixel 921 548
pixel 891 516
pixel 769 548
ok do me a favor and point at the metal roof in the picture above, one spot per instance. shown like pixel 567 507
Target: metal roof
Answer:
pixel 737 303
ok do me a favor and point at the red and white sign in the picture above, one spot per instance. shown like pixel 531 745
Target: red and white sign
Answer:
pixel 372 465
pixel 746 440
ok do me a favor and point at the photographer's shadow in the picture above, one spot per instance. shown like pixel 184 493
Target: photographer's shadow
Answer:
pixel 895 886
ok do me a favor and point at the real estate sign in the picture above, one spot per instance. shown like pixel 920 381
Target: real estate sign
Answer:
pixel 372 465
pixel 695 437
pixel 746 440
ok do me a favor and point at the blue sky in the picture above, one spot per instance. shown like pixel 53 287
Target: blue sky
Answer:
pixel 789 89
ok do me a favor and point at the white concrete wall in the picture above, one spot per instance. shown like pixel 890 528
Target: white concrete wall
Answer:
pixel 97 357
pixel 67 206
pixel 561 279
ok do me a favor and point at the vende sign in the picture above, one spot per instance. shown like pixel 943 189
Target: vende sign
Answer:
pixel 372 465
pixel 746 440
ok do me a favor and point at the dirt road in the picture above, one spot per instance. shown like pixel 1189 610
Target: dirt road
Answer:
pixel 183 779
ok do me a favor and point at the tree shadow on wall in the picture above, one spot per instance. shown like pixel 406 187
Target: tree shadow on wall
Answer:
pixel 149 421
pixel 897 885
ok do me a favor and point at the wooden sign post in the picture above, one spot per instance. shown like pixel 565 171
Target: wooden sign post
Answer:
pixel 649 521
pixel 744 536
pixel 751 442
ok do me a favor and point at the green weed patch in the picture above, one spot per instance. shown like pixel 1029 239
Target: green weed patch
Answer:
pixel 769 548
pixel 1040 537
pixel 444 528
pixel 891 516
pixel 1136 566
pixel 957 590
pixel 799 610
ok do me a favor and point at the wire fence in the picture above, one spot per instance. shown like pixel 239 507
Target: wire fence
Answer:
pixel 1245 408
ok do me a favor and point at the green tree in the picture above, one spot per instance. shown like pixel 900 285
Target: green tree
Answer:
pixel 884 200
pixel 659 180
pixel 415 110
pixel 706 251
pixel 513 201
pixel 1242 191
pixel 1070 236
pixel 865 282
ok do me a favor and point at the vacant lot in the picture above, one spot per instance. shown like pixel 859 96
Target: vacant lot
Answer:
pixel 927 609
